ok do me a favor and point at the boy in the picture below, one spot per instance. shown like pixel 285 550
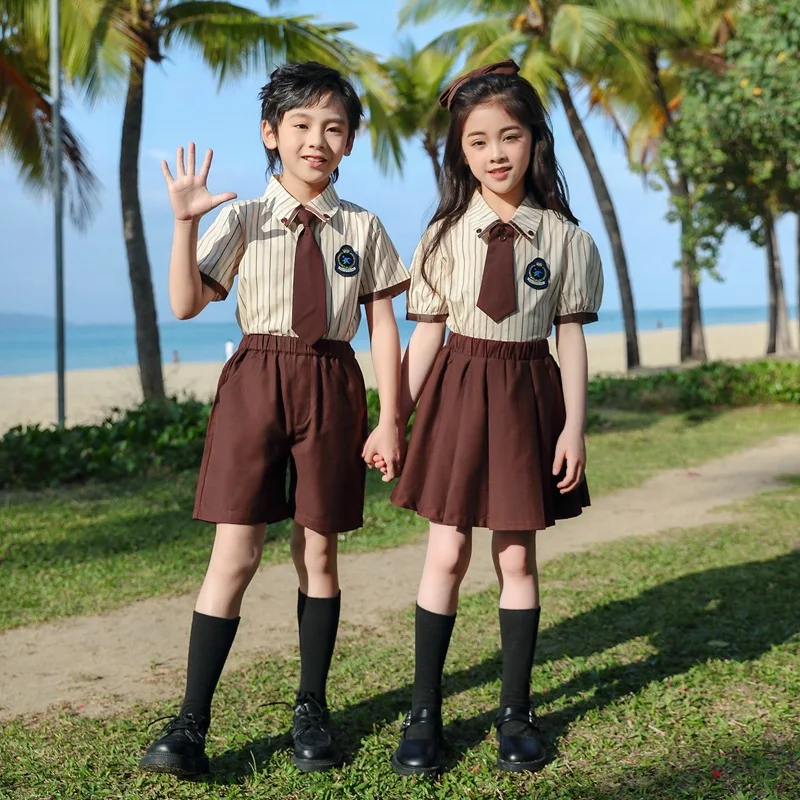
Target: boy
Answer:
pixel 292 396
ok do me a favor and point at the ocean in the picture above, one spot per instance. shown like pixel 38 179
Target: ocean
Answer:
pixel 27 344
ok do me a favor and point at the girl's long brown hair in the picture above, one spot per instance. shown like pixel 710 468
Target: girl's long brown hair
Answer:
pixel 544 181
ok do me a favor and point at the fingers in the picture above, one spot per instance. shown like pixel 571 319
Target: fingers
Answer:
pixel 206 166
pixel 558 463
pixel 180 167
pixel 222 197
pixel 192 160
pixel 166 173
pixel 573 475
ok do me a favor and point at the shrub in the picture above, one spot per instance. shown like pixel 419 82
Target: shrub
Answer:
pixel 170 436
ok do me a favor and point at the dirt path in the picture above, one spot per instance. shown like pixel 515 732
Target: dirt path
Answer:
pixel 137 653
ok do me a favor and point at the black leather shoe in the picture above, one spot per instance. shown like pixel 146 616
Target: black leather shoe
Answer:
pixel 420 750
pixel 520 742
pixel 181 748
pixel 314 748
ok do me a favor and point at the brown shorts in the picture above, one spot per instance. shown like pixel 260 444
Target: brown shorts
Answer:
pixel 484 439
pixel 284 406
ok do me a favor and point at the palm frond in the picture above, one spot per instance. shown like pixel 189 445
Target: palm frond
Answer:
pixel 26 133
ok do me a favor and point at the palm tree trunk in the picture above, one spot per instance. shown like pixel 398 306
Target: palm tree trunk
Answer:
pixel 611 223
pixel 798 279
pixel 779 339
pixel 433 153
pixel 148 346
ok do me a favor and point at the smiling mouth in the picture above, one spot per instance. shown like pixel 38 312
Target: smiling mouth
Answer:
pixel 501 172
pixel 315 161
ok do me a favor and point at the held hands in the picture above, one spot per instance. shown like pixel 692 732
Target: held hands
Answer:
pixel 384 451
pixel 188 193
pixel 570 448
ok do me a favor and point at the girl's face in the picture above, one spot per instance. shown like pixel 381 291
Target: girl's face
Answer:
pixel 497 148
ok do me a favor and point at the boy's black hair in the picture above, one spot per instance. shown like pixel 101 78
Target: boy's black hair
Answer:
pixel 305 85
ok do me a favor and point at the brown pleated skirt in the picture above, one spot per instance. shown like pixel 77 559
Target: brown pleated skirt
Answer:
pixel 484 438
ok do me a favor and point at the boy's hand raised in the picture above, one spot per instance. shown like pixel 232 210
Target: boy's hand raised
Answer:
pixel 188 192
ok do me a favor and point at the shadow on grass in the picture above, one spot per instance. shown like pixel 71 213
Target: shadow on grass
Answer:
pixel 745 607
pixel 165 523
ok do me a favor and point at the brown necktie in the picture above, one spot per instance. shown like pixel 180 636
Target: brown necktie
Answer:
pixel 309 315
pixel 498 296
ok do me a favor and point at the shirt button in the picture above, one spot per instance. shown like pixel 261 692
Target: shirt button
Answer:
pixel 479 231
pixel 530 232
pixel 284 220
pixel 326 216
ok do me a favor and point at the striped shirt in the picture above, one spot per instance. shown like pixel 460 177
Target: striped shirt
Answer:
pixel 559 277
pixel 257 240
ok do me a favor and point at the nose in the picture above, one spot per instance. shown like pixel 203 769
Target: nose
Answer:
pixel 497 152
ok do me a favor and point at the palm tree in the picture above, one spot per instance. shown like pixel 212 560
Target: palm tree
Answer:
pixel 26 115
pixel 231 40
pixel 418 78
pixel 551 41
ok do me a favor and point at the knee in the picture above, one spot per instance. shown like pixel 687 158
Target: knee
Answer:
pixel 451 561
pixel 515 564
pixel 318 554
pixel 238 570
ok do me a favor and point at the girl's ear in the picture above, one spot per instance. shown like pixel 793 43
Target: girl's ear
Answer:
pixel 349 146
pixel 268 136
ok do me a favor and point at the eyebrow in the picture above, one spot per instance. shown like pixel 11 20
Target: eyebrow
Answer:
pixel 299 114
pixel 502 130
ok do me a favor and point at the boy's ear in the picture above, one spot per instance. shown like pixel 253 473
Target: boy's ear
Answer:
pixel 268 136
pixel 349 146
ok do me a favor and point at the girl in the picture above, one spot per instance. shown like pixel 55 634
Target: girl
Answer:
pixel 496 443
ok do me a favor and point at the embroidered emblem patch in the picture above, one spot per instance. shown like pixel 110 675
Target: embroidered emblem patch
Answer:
pixel 346 261
pixel 537 274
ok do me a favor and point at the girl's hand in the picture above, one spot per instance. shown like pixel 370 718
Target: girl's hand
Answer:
pixel 570 448
pixel 188 193
pixel 382 451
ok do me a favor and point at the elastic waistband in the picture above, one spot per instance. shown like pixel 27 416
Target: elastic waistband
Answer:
pixel 489 348
pixel 291 344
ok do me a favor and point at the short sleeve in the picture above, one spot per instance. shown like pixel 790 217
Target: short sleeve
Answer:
pixel 581 282
pixel 383 273
pixel 426 297
pixel 220 250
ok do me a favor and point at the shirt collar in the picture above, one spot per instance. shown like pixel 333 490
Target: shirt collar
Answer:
pixel 284 206
pixel 480 217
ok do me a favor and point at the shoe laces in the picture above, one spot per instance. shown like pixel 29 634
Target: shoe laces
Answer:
pixel 186 723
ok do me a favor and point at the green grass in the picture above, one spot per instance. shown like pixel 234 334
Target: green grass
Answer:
pixel 92 548
pixel 666 668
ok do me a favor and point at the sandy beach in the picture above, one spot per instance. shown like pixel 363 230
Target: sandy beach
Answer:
pixel 91 394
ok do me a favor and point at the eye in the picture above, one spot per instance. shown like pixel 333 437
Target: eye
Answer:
pixel 301 126
pixel 477 143
pixel 334 130
pixel 512 137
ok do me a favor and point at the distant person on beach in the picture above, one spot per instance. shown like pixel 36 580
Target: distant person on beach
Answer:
pixel 497 442
pixel 292 394
pixel 176 359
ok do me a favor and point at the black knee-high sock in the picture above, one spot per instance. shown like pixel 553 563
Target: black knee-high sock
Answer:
pixel 431 640
pixel 319 622
pixel 209 644
pixel 301 607
pixel 518 632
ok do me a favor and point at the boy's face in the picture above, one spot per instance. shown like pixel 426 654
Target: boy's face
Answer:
pixel 311 141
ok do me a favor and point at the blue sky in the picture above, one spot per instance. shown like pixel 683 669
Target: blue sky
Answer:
pixel 182 104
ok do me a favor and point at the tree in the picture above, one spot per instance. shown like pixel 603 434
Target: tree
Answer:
pixel 418 78
pixel 552 42
pixel 231 40
pixel 738 135
pixel 26 119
